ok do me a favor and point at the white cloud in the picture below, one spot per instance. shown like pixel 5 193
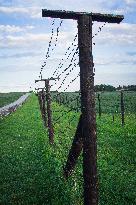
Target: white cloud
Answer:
pixel 14 29
pixel 93 6
pixel 130 2
pixel 10 10
pixel 125 59
pixel 121 34
pixel 33 12
pixel 31 39
pixel 34 9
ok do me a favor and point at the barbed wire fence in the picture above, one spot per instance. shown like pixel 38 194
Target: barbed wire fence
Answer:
pixel 65 70
pixel 62 72
pixel 70 109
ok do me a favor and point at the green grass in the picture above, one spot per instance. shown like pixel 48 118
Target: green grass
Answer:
pixel 7 98
pixel 31 169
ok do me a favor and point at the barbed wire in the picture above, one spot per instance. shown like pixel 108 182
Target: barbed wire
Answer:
pixel 72 81
pixel 69 84
pixel 64 114
pixel 50 43
pixel 59 94
pixel 62 83
pixel 61 62
pixel 76 52
pixel 99 30
pixel 66 60
pixel 60 65
pixel 58 29
pixel 71 101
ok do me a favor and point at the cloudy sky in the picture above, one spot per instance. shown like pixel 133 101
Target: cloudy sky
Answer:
pixel 25 35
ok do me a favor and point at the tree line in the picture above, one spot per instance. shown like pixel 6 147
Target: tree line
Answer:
pixel 110 88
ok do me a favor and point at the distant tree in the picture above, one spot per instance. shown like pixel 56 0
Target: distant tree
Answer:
pixel 132 87
pixel 127 87
pixel 119 88
pixel 104 87
pixel 54 91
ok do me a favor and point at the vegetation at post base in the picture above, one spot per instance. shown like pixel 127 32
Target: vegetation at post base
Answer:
pixel 31 169
pixel 7 98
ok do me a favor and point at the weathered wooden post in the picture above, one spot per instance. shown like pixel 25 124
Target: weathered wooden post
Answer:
pixel 49 112
pixel 77 103
pixel 42 100
pixel 113 117
pixel 66 99
pixel 99 104
pixel 60 99
pixel 88 110
pixel 44 108
pixel 86 130
pixel 122 108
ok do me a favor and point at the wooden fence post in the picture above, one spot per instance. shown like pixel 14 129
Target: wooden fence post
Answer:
pixel 88 110
pixel 44 108
pixel 113 117
pixel 99 102
pixel 49 112
pixel 41 98
pixel 88 131
pixel 66 99
pixel 40 101
pixel 122 108
pixel 77 103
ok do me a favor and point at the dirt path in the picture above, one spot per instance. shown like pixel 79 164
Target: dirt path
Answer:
pixel 7 109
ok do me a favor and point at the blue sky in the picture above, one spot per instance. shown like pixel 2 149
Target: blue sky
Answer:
pixel 24 37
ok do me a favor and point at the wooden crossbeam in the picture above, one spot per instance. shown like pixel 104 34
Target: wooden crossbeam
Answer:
pixel 39 88
pixel 109 18
pixel 46 79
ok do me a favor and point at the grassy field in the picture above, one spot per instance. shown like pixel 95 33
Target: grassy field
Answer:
pixel 6 98
pixel 31 170
pixel 110 101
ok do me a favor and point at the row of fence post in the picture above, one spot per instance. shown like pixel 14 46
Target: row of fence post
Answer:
pixel 45 108
pixel 121 106
pixel 64 100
